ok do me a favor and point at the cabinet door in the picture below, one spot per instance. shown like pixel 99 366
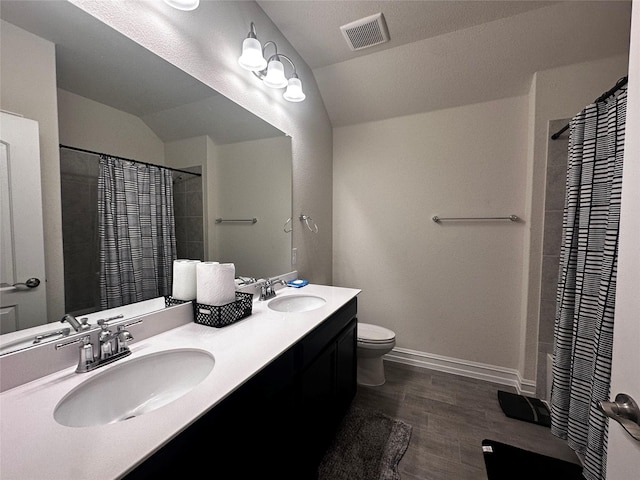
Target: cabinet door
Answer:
pixel 315 409
pixel 346 368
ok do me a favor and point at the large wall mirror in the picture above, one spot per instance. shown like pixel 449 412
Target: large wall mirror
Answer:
pixel 116 97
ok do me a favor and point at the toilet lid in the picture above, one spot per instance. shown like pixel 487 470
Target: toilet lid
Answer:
pixel 374 333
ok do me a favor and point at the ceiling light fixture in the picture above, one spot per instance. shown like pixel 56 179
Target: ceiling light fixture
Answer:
pixel 185 5
pixel 270 71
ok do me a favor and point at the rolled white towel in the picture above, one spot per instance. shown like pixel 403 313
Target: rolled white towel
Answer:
pixel 216 283
pixel 184 279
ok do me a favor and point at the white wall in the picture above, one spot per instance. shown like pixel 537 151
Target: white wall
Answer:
pixel 253 179
pixel 469 293
pixel 450 289
pixel 206 43
pixel 91 125
pixel 188 152
pixel 29 88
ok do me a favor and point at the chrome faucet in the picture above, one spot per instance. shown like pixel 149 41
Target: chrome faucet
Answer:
pixel 267 289
pixel 77 325
pixel 111 345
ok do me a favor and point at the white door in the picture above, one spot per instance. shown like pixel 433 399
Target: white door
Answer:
pixel 21 233
pixel 623 452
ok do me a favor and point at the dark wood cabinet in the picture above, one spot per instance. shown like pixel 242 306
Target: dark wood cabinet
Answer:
pixel 280 422
pixel 326 388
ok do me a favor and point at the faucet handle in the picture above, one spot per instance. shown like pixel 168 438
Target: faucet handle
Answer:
pixel 103 322
pixel 105 329
pixel 82 324
pixel 123 338
pixel 86 352
pixel 124 334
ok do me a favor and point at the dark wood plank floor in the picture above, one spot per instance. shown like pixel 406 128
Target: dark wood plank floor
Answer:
pixel 450 416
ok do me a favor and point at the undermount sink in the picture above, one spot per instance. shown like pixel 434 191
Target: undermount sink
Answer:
pixel 296 303
pixel 133 388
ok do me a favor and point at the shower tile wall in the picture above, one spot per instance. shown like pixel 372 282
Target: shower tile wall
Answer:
pixel 554 205
pixel 79 192
pixel 188 210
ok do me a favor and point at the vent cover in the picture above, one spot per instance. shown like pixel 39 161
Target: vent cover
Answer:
pixel 366 32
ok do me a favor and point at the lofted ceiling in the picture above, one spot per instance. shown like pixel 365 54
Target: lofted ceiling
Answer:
pixel 443 54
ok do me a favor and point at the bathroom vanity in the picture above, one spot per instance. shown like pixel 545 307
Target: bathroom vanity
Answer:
pixel 280 385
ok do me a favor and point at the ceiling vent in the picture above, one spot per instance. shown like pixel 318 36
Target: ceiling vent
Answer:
pixel 366 32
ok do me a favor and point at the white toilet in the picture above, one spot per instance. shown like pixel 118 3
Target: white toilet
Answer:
pixel 373 342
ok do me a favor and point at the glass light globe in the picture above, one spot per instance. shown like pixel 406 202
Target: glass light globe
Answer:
pixel 185 5
pixel 275 75
pixel 294 92
pixel 251 58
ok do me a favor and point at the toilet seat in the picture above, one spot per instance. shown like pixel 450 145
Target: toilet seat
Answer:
pixel 374 334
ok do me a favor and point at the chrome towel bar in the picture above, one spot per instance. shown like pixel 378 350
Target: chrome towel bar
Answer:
pixel 243 220
pixel 512 218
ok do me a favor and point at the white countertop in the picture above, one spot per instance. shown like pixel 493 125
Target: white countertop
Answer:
pixel 33 445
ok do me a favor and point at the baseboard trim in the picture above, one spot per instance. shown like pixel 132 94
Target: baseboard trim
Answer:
pixel 465 368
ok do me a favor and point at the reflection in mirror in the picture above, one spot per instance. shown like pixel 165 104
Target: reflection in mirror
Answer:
pixel 86 281
pixel 115 97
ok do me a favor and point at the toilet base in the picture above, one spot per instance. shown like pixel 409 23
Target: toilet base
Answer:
pixel 370 372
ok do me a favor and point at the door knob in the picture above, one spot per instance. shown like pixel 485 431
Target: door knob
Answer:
pixel 625 411
pixel 30 283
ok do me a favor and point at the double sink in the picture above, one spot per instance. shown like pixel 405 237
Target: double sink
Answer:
pixel 144 384
pixel 115 417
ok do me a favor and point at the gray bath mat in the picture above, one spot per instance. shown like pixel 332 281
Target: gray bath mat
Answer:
pixel 368 446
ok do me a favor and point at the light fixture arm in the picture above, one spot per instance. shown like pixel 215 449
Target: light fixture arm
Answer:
pixel 290 61
pixel 252 31
pixel 275 48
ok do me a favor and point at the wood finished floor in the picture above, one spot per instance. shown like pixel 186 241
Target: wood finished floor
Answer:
pixel 450 416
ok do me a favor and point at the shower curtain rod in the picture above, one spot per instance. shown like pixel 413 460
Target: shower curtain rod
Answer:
pixel 621 83
pixel 129 160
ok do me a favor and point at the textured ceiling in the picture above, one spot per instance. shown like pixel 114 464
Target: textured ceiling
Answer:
pixel 444 54
pixel 441 54
pixel 313 27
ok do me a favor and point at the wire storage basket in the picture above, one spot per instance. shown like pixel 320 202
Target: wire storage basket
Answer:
pixel 217 316
pixel 169 301
pixel 214 316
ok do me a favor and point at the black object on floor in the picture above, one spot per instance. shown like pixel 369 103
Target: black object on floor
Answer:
pixel 524 408
pixel 506 462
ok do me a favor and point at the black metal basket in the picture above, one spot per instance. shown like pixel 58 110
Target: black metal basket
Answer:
pixel 169 301
pixel 224 315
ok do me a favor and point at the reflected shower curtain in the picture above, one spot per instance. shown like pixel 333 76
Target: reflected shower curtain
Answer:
pixel 136 230
pixel 583 336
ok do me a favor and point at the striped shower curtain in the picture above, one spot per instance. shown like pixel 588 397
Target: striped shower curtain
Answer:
pixel 583 336
pixel 136 228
